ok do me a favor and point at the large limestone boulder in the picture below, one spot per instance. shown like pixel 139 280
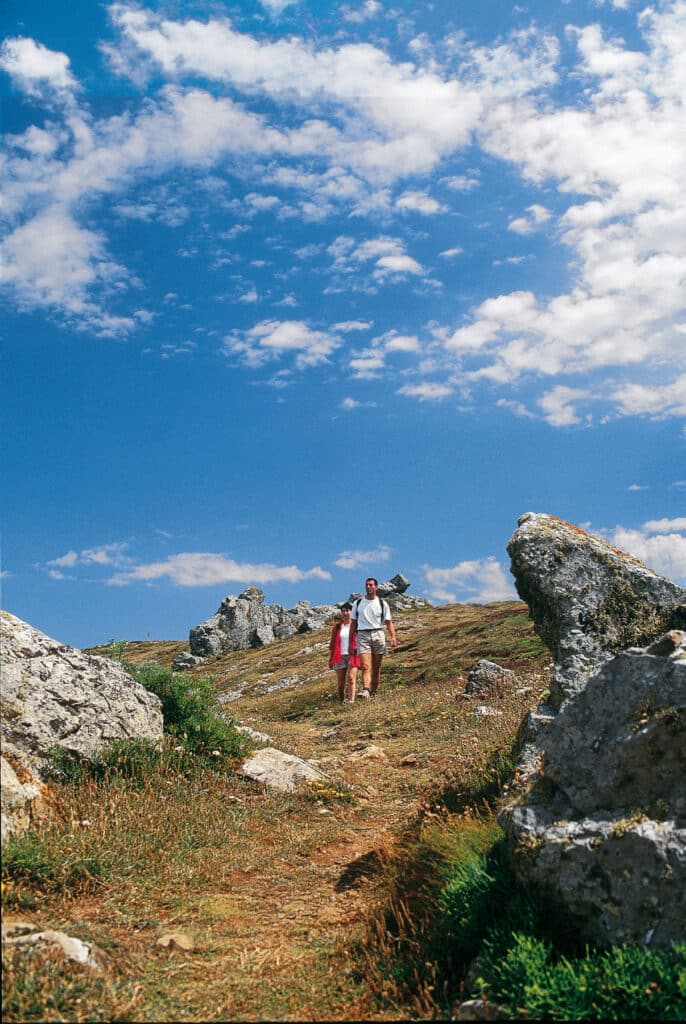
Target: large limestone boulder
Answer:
pixel 55 695
pixel 603 828
pixel 588 600
pixel 599 820
pixel 246 621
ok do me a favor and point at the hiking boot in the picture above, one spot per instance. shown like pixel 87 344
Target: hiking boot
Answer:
pixel 365 694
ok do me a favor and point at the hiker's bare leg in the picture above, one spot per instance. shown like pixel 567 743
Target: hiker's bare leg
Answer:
pixel 366 660
pixel 350 684
pixel 340 676
pixel 376 672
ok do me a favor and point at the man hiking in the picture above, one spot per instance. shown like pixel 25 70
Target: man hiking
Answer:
pixel 370 614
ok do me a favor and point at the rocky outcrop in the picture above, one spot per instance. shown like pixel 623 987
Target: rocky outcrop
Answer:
pixel 599 823
pixel 587 599
pixel 246 621
pixel 55 695
pixel 488 677
pixel 393 591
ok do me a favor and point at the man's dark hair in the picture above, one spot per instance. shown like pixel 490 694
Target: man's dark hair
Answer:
pixel 370 579
pixel 347 605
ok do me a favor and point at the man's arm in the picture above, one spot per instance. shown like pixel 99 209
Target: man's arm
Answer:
pixel 391 632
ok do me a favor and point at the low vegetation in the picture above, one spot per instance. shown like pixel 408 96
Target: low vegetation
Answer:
pixel 382 893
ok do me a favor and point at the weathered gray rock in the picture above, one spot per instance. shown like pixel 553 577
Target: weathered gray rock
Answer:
pixel 393 591
pixel 55 695
pixel 186 660
pixel 602 830
pixel 398 584
pixel 278 770
pixel 588 600
pixel 24 799
pixel 306 617
pixel 487 677
pixel 246 621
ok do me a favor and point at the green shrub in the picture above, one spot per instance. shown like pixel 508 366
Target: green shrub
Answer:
pixel 621 983
pixel 188 712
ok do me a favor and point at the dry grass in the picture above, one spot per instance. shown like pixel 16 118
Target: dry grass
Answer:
pixel 276 891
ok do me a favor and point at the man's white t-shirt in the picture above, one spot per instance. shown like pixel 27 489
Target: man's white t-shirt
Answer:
pixel 370 614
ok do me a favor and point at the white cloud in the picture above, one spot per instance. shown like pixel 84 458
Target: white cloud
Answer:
pixel 418 201
pixel 52 262
pixel 449 253
pixel 558 405
pixel 271 339
pixel 204 569
pixel 113 554
pixel 33 67
pixel 396 266
pixel 362 12
pixel 538 215
pixel 276 7
pixel 356 559
pixel 479 581
pixel 393 342
pixel 426 392
pixel 677 525
pixel 461 183
pixel 405 119
pixel 346 326
pixel 665 553
pixel 656 402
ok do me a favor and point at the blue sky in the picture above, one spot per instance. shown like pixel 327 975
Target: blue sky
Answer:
pixel 297 293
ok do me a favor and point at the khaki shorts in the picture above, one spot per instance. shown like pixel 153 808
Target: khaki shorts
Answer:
pixel 371 641
pixel 343 663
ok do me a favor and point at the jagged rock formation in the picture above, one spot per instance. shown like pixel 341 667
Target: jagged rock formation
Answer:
pixel 55 695
pixel 393 591
pixel 600 822
pixel 246 621
pixel 587 599
pixel 488 677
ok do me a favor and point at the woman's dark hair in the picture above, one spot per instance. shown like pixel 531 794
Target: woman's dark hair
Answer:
pixel 347 605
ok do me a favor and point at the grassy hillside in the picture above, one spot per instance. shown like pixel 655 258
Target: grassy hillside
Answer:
pixel 280 895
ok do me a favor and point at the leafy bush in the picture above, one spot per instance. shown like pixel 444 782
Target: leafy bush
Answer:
pixel 621 983
pixel 188 712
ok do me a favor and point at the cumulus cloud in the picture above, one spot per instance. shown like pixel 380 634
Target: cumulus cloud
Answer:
pixel 114 554
pixel 204 569
pixel 419 202
pixel 272 339
pixel 361 12
pixel 346 128
pixel 624 225
pixel 357 559
pixel 537 215
pixel 34 68
pixel 478 581
pixel 661 544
